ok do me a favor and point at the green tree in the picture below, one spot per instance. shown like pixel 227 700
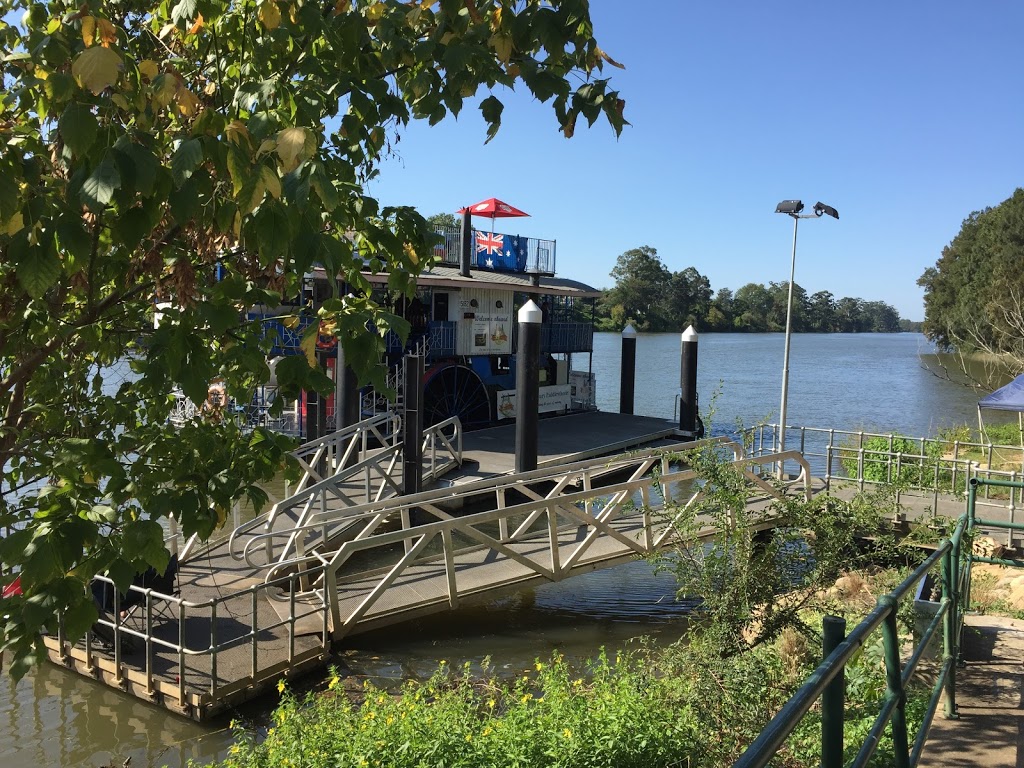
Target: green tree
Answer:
pixel 641 288
pixel 849 315
pixel 443 221
pixel 752 304
pixel 974 295
pixel 208 155
pixel 821 312
pixel 689 299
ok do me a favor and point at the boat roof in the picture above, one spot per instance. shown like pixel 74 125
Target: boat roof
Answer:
pixel 449 277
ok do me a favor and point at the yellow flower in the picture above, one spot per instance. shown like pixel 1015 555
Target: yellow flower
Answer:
pixel 280 686
pixel 390 720
pixel 538 666
pixel 487 731
pixel 442 662
pixel 469 737
pixel 333 684
pixel 527 697
pixel 567 733
pixel 490 703
pixel 235 749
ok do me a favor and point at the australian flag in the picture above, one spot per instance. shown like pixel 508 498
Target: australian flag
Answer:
pixel 503 253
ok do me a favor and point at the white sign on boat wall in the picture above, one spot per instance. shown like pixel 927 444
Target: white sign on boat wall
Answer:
pixel 483 320
pixel 552 400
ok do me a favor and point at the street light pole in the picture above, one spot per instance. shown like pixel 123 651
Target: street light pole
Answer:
pixel 785 356
pixel 793 208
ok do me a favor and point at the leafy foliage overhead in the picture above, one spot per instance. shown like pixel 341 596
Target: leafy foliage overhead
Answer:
pixel 209 156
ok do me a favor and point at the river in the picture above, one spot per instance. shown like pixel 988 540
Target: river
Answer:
pixel 874 382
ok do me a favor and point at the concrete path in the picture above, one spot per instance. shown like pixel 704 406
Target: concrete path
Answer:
pixel 990 698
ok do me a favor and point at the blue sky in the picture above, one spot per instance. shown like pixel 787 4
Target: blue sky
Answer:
pixel 904 116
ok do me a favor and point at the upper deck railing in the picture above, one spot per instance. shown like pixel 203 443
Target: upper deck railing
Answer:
pixel 498 251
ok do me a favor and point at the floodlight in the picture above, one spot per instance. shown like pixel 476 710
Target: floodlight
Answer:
pixel 820 208
pixel 792 207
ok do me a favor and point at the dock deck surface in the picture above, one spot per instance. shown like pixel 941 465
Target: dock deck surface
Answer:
pixel 560 439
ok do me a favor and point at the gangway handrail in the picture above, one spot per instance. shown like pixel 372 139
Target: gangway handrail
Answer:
pixel 497 484
pixel 360 432
pixel 510 479
pixel 619 493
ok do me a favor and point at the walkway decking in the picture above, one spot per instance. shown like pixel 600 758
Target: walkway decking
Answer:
pixel 561 439
pixel 990 699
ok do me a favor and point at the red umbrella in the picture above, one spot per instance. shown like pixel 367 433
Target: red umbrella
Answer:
pixel 494 208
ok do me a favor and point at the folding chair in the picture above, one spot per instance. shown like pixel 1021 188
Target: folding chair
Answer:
pixel 128 603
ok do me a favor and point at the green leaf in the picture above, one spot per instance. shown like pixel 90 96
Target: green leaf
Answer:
pixel 78 127
pixel 97 68
pixel 185 160
pixel 40 269
pixel 133 225
pixel 146 165
pixel 185 10
pixel 8 194
pixel 99 188
pixel 144 539
pixel 491 109
pixel 272 233
pixel 79 617
pixel 72 239
pixel 60 87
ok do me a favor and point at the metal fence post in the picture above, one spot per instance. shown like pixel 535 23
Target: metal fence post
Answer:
pixel 949 576
pixel 894 683
pixel 833 699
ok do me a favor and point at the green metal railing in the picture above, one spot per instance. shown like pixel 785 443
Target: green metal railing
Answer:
pixel 827 682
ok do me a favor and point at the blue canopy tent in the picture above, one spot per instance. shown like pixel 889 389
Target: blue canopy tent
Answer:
pixel 1007 398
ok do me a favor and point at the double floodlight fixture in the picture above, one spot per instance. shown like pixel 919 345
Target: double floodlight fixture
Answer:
pixel 793 208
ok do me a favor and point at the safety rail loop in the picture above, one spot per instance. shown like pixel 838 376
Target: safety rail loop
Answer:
pixel 328 451
pixel 558 530
pixel 495 488
pixel 442 450
pixel 336 450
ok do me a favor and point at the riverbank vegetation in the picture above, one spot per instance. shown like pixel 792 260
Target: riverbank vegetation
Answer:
pixel 653 298
pixel 755 639
pixel 933 463
pixel 974 295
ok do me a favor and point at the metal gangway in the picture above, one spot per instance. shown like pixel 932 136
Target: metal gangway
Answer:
pixel 281 594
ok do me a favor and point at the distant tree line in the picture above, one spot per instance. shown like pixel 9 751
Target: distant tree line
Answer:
pixel 653 298
pixel 974 295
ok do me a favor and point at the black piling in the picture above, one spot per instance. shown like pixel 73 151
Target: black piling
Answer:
pixel 688 384
pixel 528 386
pixel 412 425
pixel 465 244
pixel 627 372
pixel 347 401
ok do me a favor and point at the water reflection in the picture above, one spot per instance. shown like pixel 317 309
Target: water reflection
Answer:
pixel 54 717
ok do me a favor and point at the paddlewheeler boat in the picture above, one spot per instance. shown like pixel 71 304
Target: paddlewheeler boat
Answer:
pixel 463 321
